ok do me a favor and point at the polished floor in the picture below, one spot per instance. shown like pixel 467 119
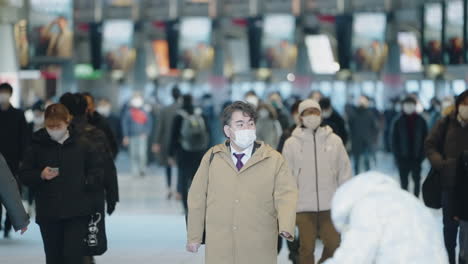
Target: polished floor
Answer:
pixel 146 228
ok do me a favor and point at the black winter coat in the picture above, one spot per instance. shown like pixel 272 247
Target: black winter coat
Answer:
pixel 68 195
pixel 363 128
pixel 403 147
pixel 101 123
pixel 337 123
pixel 461 185
pixel 101 146
pixel 14 135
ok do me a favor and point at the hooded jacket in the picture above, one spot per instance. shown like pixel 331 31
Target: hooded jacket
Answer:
pixel 320 163
pixel 382 224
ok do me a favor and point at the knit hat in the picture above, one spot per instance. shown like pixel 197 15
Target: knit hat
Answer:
pixel 309 103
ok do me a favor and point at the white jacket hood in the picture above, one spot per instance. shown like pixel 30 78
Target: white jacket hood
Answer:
pixel 382 224
pixel 353 191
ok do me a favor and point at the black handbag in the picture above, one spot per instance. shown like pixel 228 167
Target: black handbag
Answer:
pixel 432 186
pixel 96 239
pixel 432 190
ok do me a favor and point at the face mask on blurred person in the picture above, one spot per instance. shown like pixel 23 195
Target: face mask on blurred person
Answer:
pixel 38 120
pixel 104 110
pixel 57 134
pixel 263 113
pixel 312 121
pixel 327 113
pixel 463 112
pixel 245 138
pixel 253 100
pixel 137 102
pixel 409 108
pixel 4 98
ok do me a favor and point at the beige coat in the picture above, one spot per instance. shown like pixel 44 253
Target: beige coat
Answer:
pixel 244 210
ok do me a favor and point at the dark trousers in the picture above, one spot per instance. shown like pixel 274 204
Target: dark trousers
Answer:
pixel 450 225
pixel 188 163
pixel 366 155
pixel 7 225
pixel 293 247
pixel 406 167
pixel 63 240
pixel 169 176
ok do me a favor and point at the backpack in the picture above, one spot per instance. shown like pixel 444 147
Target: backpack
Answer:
pixel 194 134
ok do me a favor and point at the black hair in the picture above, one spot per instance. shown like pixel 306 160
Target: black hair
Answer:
pixel 325 103
pixel 246 108
pixel 460 100
pixel 6 87
pixel 76 103
pixel 409 99
pixel 187 103
pixel 295 106
pixel 38 106
pixel 176 92
pixel 250 93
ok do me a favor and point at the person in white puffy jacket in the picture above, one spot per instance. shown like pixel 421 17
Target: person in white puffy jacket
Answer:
pixel 318 158
pixel 382 224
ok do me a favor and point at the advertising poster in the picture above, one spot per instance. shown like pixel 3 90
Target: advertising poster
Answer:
pixel 279 49
pixel 369 49
pixel 51 24
pixel 319 49
pixel 410 53
pixel 237 47
pixel 195 50
pixel 161 55
pixel 119 53
pixel 433 33
pixel 454 33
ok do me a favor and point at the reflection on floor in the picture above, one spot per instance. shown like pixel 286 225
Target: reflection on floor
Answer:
pixel 146 228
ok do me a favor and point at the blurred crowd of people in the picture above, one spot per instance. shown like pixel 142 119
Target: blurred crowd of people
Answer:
pixel 61 156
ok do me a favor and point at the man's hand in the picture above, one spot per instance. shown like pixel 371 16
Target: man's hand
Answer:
pixel 126 141
pixel 48 174
pixel 156 148
pixel 286 235
pixel 172 162
pixel 193 247
pixel 23 230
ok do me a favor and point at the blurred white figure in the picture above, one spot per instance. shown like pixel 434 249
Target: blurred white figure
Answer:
pixel 382 224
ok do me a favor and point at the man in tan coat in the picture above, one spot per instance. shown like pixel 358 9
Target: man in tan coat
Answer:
pixel 243 195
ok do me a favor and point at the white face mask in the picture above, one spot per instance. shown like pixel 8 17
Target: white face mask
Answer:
pixel 4 98
pixel 252 100
pixel 137 102
pixel 263 113
pixel 104 110
pixel 245 138
pixel 312 121
pixel 463 112
pixel 409 108
pixel 57 134
pixel 38 120
pixel 327 113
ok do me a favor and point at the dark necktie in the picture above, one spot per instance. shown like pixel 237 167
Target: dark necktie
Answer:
pixel 239 163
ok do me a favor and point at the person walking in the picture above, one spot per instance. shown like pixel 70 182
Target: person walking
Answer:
pixel 408 135
pixel 269 128
pixel 189 141
pixel 66 170
pixel 104 108
pixel 331 118
pixel 363 129
pixel 163 136
pixel 98 121
pixel 14 136
pixel 11 198
pixel 136 125
pixel 444 145
pixel 243 195
pixel 381 224
pixel 319 161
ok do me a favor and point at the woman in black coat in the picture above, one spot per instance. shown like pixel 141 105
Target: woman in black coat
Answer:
pixel 65 172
